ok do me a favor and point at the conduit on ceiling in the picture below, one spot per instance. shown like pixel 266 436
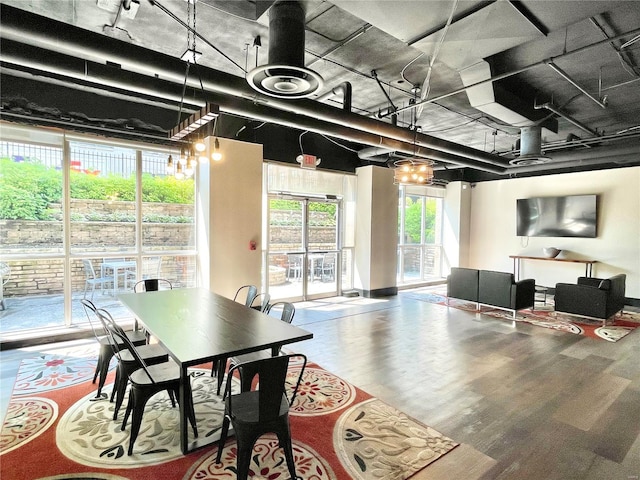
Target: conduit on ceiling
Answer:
pixel 140 67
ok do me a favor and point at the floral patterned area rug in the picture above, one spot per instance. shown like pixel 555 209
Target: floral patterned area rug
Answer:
pixel 338 431
pixel 543 315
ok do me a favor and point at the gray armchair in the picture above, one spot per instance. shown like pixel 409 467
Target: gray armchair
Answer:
pixel 592 297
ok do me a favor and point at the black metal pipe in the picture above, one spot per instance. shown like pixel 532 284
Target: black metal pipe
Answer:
pixel 42 32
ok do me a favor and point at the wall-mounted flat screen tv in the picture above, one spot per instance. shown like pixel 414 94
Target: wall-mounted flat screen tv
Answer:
pixel 568 216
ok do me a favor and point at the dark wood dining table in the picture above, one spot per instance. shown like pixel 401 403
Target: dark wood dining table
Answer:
pixel 197 326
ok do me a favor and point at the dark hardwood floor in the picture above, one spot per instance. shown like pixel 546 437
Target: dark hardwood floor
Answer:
pixel 524 402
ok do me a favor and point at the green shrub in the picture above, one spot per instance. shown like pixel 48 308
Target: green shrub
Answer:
pixel 27 188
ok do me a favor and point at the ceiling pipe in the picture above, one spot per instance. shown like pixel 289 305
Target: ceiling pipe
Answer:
pixel 25 27
pixel 549 106
pixel 265 113
pixel 75 73
pixel 517 72
pixel 566 76
pixel 598 153
pixel 574 163
pixel 345 89
pixel 371 152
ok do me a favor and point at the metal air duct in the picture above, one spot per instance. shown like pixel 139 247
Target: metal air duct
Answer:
pixel 285 76
pixel 530 147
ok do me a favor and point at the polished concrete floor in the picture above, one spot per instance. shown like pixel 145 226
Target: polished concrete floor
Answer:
pixel 524 402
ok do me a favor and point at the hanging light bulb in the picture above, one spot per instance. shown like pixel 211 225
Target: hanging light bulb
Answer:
pixel 189 168
pixel 200 146
pixel 179 171
pixel 183 157
pixel 170 167
pixel 216 156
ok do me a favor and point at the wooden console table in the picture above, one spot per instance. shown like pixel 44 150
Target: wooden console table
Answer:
pixel 588 264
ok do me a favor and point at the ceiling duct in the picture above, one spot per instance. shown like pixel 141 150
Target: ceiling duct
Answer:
pixel 285 76
pixel 530 147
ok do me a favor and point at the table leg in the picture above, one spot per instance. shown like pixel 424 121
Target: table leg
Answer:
pixel 182 400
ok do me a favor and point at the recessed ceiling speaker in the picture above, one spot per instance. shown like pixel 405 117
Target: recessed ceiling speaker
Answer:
pixel 530 147
pixel 285 76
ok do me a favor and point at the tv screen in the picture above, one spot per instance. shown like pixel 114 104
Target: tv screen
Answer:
pixel 569 216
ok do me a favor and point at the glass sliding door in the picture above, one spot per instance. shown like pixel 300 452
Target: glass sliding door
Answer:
pixel 304 254
pixel 322 248
pixel 286 232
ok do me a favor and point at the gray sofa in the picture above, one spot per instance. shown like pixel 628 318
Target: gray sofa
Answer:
pixel 592 297
pixel 490 288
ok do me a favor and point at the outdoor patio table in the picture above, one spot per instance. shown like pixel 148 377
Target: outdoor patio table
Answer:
pixel 197 326
pixel 127 266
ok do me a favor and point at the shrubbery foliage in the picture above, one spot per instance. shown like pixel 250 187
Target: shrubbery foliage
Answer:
pixel 27 189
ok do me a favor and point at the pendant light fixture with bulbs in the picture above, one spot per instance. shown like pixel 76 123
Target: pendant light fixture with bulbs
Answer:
pixel 193 125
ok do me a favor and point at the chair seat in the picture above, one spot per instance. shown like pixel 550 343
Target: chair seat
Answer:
pixel 250 357
pixel 162 374
pixel 153 353
pixel 137 338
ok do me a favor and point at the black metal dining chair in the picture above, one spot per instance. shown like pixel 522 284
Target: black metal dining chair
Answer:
pixel 288 312
pixel 151 354
pixel 250 293
pixel 261 302
pixel 106 352
pixel 150 285
pixel 253 413
pixel 221 365
pixel 147 381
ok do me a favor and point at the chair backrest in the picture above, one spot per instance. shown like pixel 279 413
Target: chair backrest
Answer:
pixel 153 266
pixel 107 322
pixel 119 337
pixel 251 292
pixel 5 273
pixel 272 383
pixel 152 285
pixel 288 310
pixel 329 259
pixel 91 310
pixel 89 272
pixel 263 302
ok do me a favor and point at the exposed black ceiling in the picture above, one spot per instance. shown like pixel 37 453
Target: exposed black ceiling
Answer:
pixel 568 69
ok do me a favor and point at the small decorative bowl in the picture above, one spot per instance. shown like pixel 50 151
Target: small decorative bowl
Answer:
pixel 550 252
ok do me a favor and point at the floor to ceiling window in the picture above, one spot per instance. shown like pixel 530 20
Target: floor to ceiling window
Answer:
pixel 82 217
pixel 309 224
pixel 419 235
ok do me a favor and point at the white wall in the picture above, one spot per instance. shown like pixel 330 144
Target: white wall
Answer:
pixel 376 243
pixel 456 224
pixel 231 201
pixel 616 248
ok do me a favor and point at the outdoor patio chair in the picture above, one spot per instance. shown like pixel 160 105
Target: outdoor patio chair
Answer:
pixel 106 352
pixel 147 381
pixel 5 273
pixel 92 279
pixel 152 354
pixel 253 413
pixel 328 267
